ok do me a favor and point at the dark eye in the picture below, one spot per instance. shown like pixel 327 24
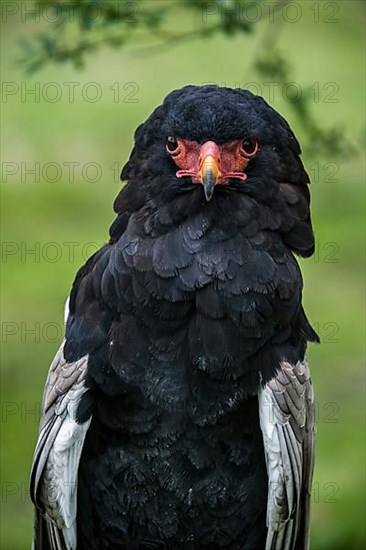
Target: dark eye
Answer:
pixel 249 147
pixel 171 144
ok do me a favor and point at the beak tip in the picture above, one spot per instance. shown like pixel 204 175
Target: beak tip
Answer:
pixel 209 182
pixel 208 195
pixel 209 168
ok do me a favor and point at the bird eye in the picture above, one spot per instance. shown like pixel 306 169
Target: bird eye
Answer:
pixel 249 147
pixel 171 144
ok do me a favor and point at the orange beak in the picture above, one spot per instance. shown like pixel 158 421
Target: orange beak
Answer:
pixel 209 172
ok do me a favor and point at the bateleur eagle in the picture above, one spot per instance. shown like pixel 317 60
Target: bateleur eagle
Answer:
pixel 179 412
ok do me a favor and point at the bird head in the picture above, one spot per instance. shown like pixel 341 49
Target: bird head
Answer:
pixel 207 141
pixel 214 136
pixel 209 163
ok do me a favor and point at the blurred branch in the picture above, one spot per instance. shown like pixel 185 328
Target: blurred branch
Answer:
pixel 91 24
pixel 269 63
pixel 83 26
pixel 327 142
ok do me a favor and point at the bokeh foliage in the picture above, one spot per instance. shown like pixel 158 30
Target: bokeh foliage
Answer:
pixel 84 26
pixel 35 214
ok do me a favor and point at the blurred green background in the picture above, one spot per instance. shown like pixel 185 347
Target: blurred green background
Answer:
pixel 50 227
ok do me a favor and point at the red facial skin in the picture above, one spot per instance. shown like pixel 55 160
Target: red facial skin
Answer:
pixel 228 160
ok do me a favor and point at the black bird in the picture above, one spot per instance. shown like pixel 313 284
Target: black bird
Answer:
pixel 179 411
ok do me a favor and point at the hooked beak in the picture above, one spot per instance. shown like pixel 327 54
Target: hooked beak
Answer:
pixel 209 172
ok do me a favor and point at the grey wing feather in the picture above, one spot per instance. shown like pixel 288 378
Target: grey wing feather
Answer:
pixel 57 455
pixel 286 411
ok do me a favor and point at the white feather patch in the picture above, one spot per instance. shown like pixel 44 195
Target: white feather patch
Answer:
pixel 60 475
pixel 286 413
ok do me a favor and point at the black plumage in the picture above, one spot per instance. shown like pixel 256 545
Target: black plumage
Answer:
pixel 187 312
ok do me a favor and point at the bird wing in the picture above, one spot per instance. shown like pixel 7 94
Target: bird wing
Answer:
pixel 57 455
pixel 287 419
